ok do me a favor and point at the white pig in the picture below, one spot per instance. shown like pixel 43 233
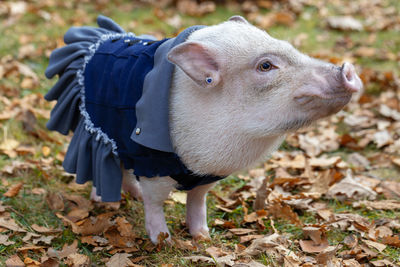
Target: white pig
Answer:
pixel 234 94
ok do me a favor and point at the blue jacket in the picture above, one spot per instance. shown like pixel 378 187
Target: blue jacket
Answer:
pixel 113 93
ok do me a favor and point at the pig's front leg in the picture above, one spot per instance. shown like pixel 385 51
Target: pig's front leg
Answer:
pixel 196 211
pixel 154 191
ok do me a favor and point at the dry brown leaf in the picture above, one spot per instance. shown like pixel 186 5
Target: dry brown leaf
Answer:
pixel 215 252
pixel 247 238
pixel 349 188
pixel 388 204
pixel 10 224
pixel 199 258
pixel 179 197
pixel 14 261
pixel 310 246
pixel 46 151
pixel 183 244
pixel 382 263
pixel 77 260
pixel 378 246
pixel 39 191
pixel 92 225
pixel 8 147
pixel 283 211
pixel 119 260
pixel 390 189
pixel 14 190
pixel 31 262
pixel 55 201
pixel 49 262
pixel 89 240
pixel 34 248
pixel 44 230
pixel 241 231
pixel 65 252
pixel 115 238
pixel 77 214
pixel 4 240
pixel 43 239
pixel 392 241
pixel 346 23
pixel 351 241
pixel 318 242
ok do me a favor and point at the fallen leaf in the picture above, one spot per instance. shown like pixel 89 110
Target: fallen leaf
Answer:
pixel 55 201
pixel 179 197
pixel 283 211
pixel 378 246
pixel 44 230
pixel 351 241
pixel 46 151
pixel 215 252
pixel 119 260
pixel 346 23
pixel 388 204
pixel 392 241
pixel 14 190
pixel 247 238
pixel 310 246
pixel 38 191
pixel 78 260
pixel 65 252
pixel 348 188
pixel 241 231
pixel 4 241
pixel 10 224
pixel 14 261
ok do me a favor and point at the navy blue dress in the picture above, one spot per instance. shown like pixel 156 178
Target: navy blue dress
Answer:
pixel 113 93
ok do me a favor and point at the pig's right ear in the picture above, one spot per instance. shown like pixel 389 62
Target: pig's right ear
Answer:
pixel 197 61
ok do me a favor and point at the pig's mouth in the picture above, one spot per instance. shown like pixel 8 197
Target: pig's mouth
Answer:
pixel 294 125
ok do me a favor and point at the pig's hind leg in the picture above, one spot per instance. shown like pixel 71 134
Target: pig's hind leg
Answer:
pixel 196 211
pixel 94 196
pixel 154 191
pixel 131 185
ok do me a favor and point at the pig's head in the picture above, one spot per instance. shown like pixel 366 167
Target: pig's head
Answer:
pixel 237 91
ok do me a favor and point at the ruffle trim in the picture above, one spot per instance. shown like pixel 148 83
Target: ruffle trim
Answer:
pixel 92 155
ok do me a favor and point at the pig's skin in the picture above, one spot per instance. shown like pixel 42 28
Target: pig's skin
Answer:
pixel 243 115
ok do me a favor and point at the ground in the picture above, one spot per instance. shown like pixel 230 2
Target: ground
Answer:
pixel 329 196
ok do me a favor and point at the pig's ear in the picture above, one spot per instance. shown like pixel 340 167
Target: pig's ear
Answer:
pixel 238 18
pixel 197 61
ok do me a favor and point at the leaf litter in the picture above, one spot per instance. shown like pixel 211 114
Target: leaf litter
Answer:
pixel 329 165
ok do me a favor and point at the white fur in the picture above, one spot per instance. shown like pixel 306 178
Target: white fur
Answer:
pixel 155 190
pixel 130 184
pixel 196 211
pixel 244 115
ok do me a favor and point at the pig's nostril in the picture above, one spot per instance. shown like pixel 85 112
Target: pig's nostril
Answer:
pixel 349 76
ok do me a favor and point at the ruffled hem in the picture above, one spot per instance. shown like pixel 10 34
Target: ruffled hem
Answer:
pixel 92 155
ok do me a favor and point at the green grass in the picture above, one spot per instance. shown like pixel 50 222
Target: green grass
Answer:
pixel 28 209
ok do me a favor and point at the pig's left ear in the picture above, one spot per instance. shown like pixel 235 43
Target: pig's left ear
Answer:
pixel 198 62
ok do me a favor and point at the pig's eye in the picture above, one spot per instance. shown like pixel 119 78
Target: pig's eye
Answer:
pixel 265 66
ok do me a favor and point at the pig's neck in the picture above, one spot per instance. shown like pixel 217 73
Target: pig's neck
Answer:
pixel 207 138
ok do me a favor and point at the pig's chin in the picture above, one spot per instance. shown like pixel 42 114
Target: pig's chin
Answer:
pixel 315 108
pixel 312 109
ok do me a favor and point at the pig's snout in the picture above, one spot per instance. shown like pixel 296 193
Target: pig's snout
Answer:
pixel 351 81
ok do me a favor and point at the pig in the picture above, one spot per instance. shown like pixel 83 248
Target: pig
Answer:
pixel 234 94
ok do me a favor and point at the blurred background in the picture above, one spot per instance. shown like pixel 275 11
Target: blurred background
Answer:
pixel 364 139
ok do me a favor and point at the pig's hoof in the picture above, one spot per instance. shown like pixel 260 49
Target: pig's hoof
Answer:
pixel 161 238
pixel 134 190
pixel 94 196
pixel 201 235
